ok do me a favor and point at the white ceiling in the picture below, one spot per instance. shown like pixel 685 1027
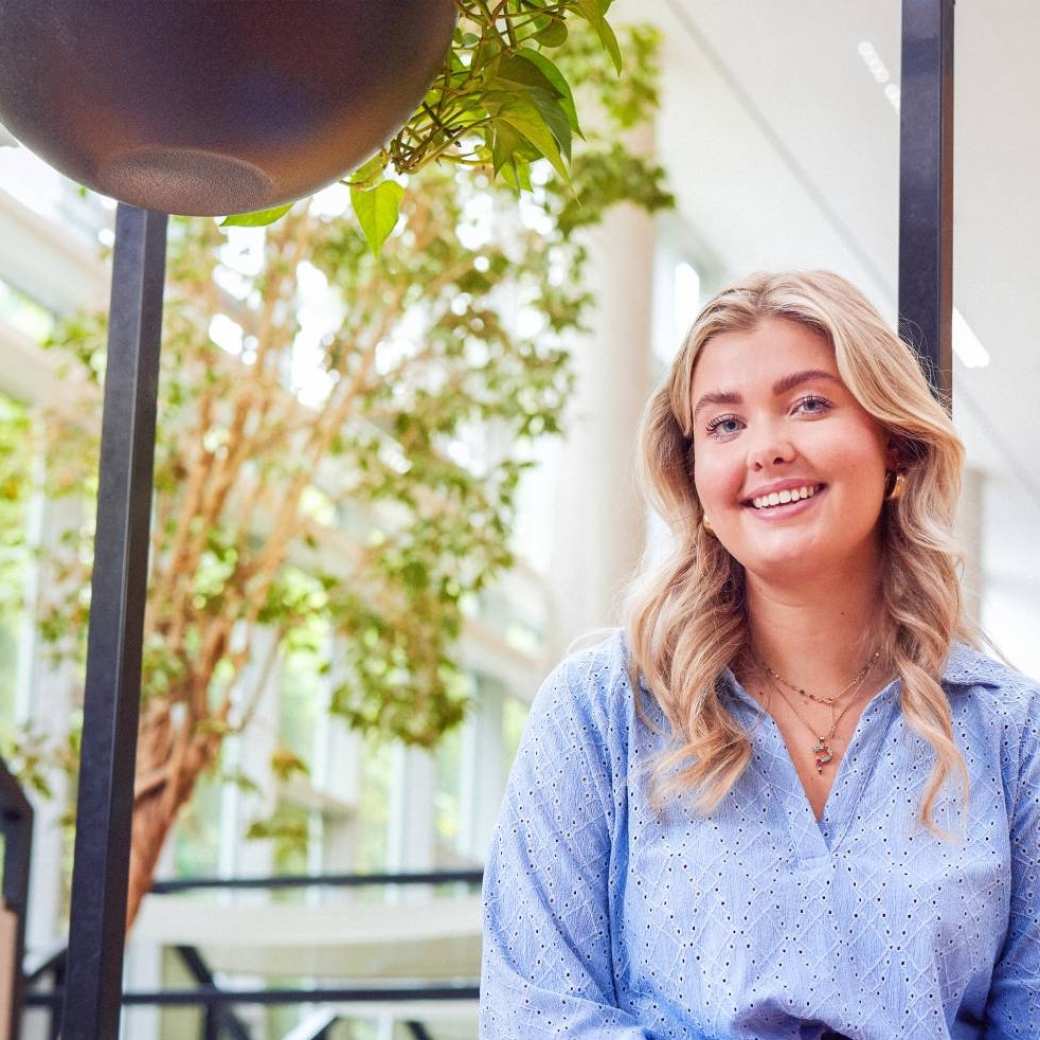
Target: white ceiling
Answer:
pixel 784 151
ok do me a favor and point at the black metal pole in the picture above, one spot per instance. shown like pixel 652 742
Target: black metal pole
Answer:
pixel 113 678
pixel 16 824
pixel 926 188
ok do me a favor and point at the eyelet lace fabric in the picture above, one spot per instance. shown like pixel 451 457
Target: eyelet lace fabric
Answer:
pixel 604 921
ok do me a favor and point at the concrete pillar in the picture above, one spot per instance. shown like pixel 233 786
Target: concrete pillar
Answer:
pixel 600 525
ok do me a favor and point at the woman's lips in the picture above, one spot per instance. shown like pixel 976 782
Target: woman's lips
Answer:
pixel 781 512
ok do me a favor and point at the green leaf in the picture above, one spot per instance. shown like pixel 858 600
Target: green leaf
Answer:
pixel 377 211
pixel 553 35
pixel 517 176
pixel 241 780
pixel 258 218
pixel 556 78
pixel 527 119
pixel 520 70
pixel 484 56
pixel 285 763
pixel 593 12
pixel 555 119
pixel 511 155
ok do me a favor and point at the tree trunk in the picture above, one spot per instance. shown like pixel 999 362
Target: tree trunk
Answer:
pixel 157 805
pixel 151 825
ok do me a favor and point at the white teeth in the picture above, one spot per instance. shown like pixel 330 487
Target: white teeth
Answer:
pixel 783 497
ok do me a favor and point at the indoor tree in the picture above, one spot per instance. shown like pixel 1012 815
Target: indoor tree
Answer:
pixel 359 471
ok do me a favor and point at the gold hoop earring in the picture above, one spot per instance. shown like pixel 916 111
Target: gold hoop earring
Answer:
pixel 707 525
pixel 897 489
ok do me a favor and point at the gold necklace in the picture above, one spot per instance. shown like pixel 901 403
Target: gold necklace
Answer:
pixel 830 701
pixel 821 749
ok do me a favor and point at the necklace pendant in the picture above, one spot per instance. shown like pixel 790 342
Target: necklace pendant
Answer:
pixel 823 754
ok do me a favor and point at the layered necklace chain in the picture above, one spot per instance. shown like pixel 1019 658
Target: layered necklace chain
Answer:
pixel 830 701
pixel 821 750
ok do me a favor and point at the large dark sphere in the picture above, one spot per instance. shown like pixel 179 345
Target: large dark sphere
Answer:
pixel 207 107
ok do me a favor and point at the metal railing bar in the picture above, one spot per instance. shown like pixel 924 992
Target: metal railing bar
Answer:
pixel 222 1018
pixel 314 1027
pixel 54 961
pixel 469 877
pixel 206 997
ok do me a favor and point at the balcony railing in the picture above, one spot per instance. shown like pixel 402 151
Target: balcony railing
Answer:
pixel 218 1002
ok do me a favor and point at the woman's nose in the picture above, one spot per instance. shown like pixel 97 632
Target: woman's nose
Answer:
pixel 770 449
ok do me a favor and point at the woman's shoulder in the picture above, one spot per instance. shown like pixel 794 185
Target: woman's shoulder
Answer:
pixel 1004 701
pixel 590 682
pixel 995 682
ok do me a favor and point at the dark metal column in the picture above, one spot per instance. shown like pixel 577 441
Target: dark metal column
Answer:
pixel 926 188
pixel 16 824
pixel 113 680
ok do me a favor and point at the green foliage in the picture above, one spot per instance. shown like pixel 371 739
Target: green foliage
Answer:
pixel 286 827
pixel 377 210
pixel 257 218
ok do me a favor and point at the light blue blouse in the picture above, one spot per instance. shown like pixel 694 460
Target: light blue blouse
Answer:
pixel 604 922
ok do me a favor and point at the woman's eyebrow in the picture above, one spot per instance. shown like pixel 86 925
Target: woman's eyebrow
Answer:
pixel 781 386
pixel 790 381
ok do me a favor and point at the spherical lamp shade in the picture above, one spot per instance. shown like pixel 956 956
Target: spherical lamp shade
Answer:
pixel 208 107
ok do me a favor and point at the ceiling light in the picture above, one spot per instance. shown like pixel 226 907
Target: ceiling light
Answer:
pixel 879 70
pixel 966 344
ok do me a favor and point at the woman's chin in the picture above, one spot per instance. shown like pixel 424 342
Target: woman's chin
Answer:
pixel 787 554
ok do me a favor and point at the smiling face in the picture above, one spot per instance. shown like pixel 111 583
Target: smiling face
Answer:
pixel 761 421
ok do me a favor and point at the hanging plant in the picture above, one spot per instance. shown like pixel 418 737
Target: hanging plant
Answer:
pixel 502 101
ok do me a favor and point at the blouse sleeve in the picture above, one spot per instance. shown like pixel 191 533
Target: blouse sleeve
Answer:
pixel 546 961
pixel 1013 1008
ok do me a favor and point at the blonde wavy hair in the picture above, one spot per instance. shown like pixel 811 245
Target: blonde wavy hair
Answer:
pixel 686 619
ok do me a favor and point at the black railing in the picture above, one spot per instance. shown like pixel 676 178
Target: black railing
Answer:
pixel 16 820
pixel 438 877
pixel 219 1021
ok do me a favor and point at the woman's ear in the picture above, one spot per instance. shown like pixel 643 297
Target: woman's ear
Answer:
pixel 894 456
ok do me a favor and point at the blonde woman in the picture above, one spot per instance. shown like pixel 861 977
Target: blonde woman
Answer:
pixel 791 797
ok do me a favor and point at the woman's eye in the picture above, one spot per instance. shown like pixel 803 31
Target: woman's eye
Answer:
pixel 714 426
pixel 813 399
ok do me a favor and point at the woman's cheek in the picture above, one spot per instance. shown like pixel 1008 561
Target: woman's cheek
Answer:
pixel 712 481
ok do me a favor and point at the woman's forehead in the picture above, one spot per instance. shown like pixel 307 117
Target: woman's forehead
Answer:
pixel 747 358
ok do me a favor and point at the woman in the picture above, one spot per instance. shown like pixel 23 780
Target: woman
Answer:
pixel 820 816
